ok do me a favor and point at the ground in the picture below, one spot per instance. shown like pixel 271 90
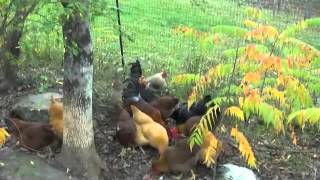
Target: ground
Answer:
pixel 276 157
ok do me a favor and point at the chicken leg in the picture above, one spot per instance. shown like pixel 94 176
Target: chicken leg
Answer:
pixel 193 175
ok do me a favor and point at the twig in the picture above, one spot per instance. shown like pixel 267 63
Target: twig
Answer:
pixel 233 71
pixel 278 148
pixel 265 73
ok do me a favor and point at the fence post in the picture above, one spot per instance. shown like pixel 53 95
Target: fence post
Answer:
pixel 120 33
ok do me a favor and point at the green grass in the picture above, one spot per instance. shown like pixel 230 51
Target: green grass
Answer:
pixel 148 34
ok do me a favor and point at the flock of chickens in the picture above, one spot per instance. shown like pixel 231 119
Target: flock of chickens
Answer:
pixel 142 120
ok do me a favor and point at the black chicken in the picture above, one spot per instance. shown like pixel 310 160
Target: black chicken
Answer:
pixel 198 108
pixel 131 89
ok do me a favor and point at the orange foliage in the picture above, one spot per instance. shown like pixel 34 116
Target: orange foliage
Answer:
pixel 215 38
pixel 252 77
pixel 262 33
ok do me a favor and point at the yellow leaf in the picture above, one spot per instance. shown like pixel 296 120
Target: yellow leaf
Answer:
pixel 192 98
pixel 251 51
pixel 3 136
pixel 215 38
pixel 244 147
pixel 211 147
pixel 293 137
pixel 250 24
pixel 235 111
pixel 274 94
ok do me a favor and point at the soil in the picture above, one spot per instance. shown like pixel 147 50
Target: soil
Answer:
pixel 277 157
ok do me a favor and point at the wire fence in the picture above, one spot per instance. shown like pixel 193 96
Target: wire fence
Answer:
pixel 148 26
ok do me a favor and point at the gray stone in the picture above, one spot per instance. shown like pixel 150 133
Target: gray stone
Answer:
pixel 34 107
pixel 234 172
pixel 15 165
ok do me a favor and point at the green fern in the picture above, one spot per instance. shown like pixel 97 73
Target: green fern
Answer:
pixel 269 114
pixel 298 96
pixel 314 87
pixel 206 123
pixel 232 31
pixel 310 115
pixel 185 79
pixel 290 31
pixel 297 44
pixel 231 53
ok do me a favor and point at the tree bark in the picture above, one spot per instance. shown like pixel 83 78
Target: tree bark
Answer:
pixel 78 151
pixel 10 49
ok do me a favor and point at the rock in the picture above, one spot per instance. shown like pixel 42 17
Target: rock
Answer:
pixel 34 107
pixel 15 165
pixel 234 172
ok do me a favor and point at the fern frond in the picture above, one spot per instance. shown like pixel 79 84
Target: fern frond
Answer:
pixel 244 147
pixel 293 29
pixel 310 115
pixel 299 26
pixel 274 94
pixel 297 94
pixel 233 31
pixel 213 77
pixel 230 53
pixel 184 79
pixel 253 12
pixel 218 101
pixel 3 136
pixel 296 43
pixel 235 111
pixel 268 113
pixel 250 24
pixel 206 123
pixel 314 87
pixel 211 147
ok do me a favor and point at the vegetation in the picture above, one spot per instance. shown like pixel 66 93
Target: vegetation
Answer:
pixel 258 67
pixel 271 81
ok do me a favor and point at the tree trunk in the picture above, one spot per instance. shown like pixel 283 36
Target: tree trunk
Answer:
pixel 10 49
pixel 78 150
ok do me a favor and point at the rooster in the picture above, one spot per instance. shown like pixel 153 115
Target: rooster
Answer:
pixel 131 91
pixel 131 95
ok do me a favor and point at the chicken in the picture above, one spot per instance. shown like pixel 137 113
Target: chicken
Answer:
pixel 126 129
pixel 55 112
pixel 166 105
pixel 131 95
pixel 157 81
pixel 131 89
pixel 199 108
pixel 177 158
pixel 32 135
pixel 147 94
pixel 187 127
pixel 149 132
